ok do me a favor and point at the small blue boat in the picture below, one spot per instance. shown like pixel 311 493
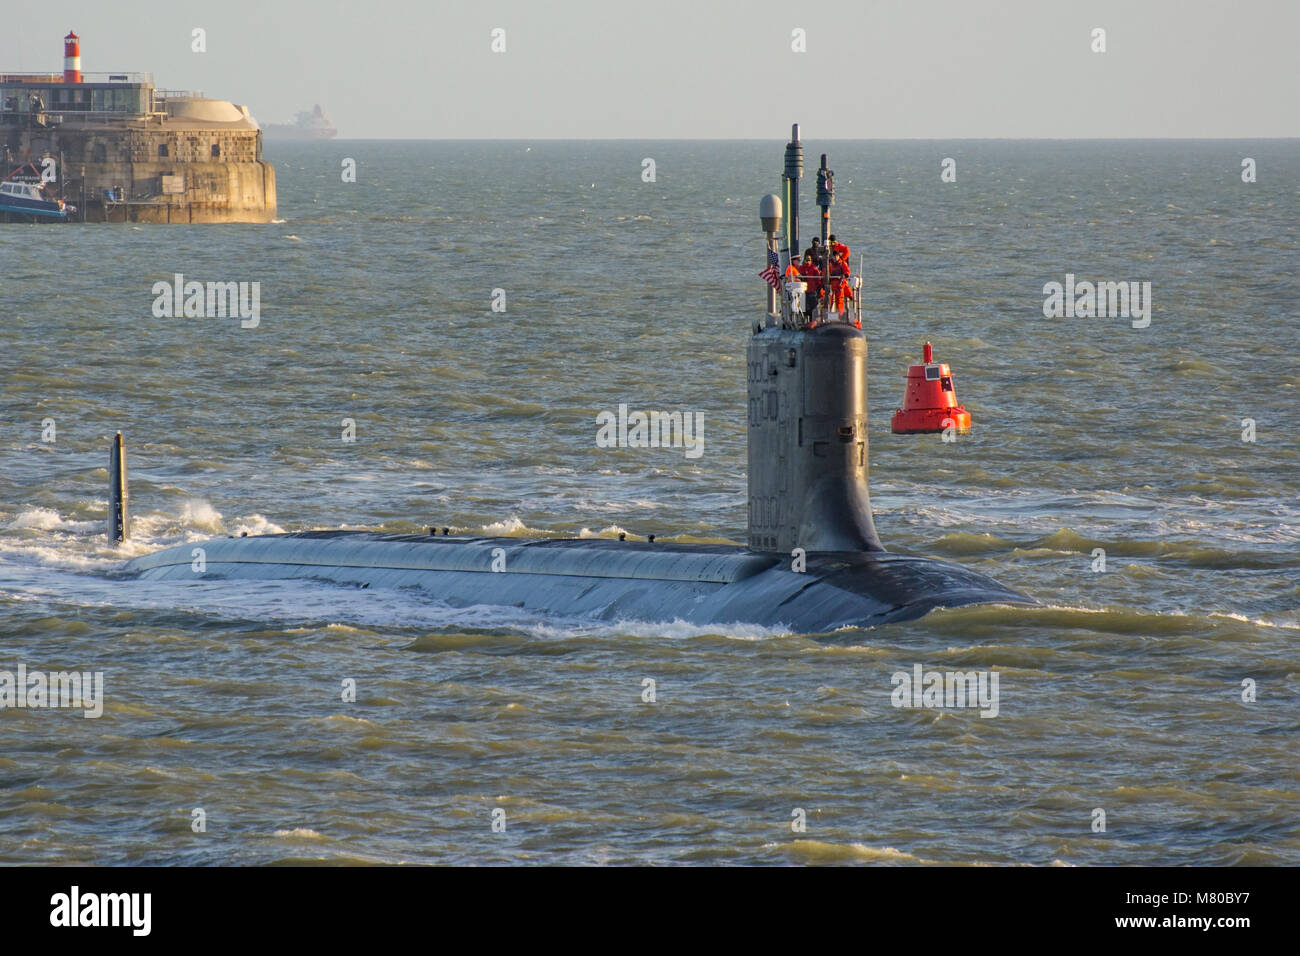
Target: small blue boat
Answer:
pixel 25 197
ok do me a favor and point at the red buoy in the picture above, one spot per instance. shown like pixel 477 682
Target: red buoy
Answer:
pixel 930 402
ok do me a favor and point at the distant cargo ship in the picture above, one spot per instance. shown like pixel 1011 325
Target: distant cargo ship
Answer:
pixel 313 125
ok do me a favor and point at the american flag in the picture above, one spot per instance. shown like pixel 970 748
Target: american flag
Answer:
pixel 771 274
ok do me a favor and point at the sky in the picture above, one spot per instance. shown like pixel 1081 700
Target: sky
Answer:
pixel 709 69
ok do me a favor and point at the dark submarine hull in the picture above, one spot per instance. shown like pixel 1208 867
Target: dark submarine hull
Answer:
pixel 603 580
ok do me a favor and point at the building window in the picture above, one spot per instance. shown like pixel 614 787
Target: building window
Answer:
pixel 101 153
pixel 216 151
pixel 162 151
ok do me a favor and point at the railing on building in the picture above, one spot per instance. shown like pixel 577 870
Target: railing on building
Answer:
pixel 45 79
pixel 138 79
pixel 40 79
pixel 65 112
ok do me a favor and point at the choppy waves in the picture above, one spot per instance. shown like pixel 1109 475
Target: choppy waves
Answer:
pixel 1106 475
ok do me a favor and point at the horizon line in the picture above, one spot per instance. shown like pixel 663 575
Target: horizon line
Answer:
pixel 756 139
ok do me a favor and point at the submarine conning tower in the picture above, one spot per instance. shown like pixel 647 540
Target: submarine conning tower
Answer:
pixel 807 390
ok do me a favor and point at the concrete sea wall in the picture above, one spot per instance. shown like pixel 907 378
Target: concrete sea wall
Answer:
pixel 164 174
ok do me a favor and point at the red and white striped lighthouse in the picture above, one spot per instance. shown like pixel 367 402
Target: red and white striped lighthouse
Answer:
pixel 71 58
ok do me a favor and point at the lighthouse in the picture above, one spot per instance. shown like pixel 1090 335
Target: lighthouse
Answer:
pixel 71 58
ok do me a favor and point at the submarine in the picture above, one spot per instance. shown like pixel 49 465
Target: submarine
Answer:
pixel 813 562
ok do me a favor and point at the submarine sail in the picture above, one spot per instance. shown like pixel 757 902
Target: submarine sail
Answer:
pixel 813 561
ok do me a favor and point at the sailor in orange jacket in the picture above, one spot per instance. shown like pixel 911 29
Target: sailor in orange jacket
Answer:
pixel 840 272
pixel 812 274
pixel 838 248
